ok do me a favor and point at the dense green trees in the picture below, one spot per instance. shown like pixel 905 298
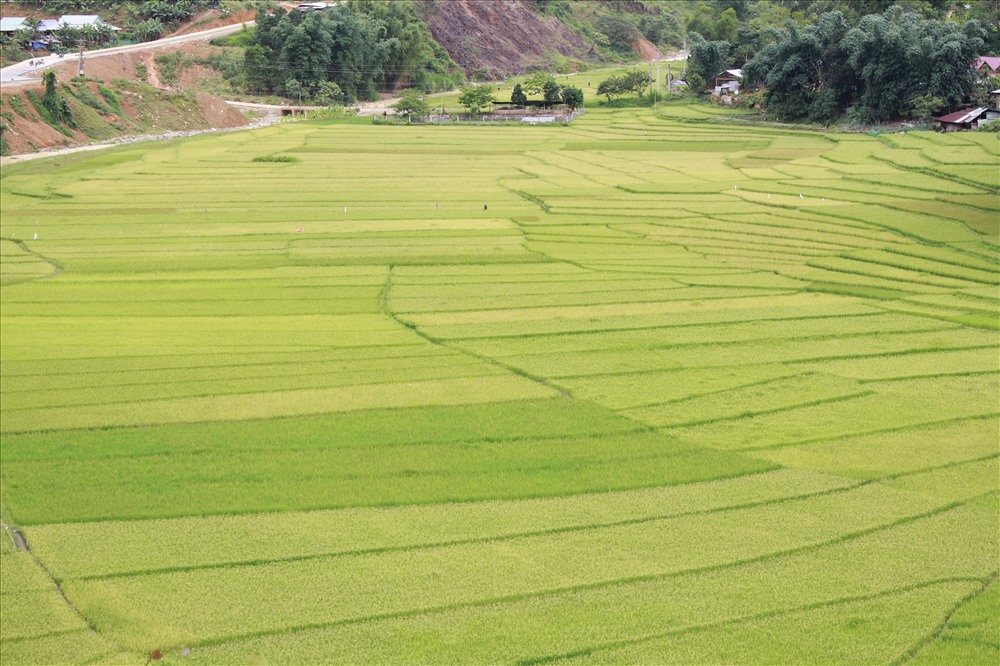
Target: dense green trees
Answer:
pixel 891 65
pixel 714 20
pixel 707 59
pixel 362 47
pixel 901 56
pixel 416 59
pixel 551 92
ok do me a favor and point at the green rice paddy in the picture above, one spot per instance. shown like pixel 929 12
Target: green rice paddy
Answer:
pixel 646 389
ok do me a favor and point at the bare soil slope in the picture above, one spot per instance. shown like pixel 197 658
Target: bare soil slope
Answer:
pixel 143 110
pixel 500 36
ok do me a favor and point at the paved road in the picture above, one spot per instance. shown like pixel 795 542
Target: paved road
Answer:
pixel 14 75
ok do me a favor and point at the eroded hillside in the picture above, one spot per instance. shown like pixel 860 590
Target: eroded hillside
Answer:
pixel 501 37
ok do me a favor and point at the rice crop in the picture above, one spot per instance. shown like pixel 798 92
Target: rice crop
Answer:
pixel 631 390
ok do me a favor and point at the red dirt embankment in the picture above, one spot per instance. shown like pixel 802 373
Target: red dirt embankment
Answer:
pixel 155 113
pixel 645 49
pixel 500 36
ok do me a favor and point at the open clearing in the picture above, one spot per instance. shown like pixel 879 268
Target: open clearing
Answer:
pixel 643 389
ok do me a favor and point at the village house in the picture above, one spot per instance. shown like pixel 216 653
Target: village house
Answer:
pixel 987 66
pixel 11 24
pixel 728 82
pixel 966 119
pixel 85 21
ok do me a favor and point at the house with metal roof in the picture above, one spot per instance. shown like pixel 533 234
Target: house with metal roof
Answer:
pixel 966 119
pixel 84 21
pixel 728 82
pixel 9 24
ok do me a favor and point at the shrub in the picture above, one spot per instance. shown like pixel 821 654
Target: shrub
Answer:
pixel 87 96
pixel 412 103
pixel 18 105
pixel 111 97
pixel 169 64
pixel 572 97
pixel 276 158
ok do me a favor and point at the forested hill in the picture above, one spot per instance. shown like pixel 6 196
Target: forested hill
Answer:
pixel 874 60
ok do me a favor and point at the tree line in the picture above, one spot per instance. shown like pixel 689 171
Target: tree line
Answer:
pixel 882 67
pixel 477 97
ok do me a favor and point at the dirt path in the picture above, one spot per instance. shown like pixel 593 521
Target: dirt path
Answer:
pixel 374 108
pixel 152 72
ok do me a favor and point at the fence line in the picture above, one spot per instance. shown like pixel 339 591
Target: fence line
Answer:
pixel 445 119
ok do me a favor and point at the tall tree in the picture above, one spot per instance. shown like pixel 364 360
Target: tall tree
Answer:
pixel 806 71
pixel 707 59
pixel 475 98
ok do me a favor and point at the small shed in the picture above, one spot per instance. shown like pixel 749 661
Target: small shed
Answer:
pixel 967 119
pixel 728 82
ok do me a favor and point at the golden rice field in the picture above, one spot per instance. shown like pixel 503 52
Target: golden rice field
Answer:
pixel 650 388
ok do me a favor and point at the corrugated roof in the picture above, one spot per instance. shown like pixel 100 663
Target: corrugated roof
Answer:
pixel 81 20
pixel 963 116
pixel 11 23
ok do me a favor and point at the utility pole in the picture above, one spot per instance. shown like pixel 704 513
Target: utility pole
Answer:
pixel 79 71
pixel 684 74
pixel 657 100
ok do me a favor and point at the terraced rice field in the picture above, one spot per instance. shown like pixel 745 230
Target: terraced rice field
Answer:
pixel 683 393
